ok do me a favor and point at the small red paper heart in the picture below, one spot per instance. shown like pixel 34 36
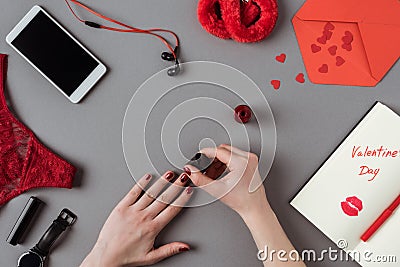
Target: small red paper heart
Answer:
pixel 329 26
pixel 281 58
pixel 315 48
pixel 276 84
pixel 323 68
pixel 347 47
pixel 322 39
pixel 332 50
pixel 327 34
pixel 339 61
pixel 300 78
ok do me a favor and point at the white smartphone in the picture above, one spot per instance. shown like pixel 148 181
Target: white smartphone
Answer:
pixel 56 54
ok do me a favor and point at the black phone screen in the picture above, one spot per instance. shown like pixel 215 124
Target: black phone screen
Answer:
pixel 55 53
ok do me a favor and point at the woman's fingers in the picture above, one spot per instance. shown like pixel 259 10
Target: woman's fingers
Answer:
pixel 168 195
pixel 154 190
pixel 173 209
pixel 213 187
pixel 197 177
pixel 135 192
pixel 166 251
pixel 222 154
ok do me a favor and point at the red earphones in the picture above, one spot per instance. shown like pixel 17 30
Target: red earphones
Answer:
pixel 171 55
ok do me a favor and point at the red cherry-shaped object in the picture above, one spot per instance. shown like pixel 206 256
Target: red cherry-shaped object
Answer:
pixel 242 114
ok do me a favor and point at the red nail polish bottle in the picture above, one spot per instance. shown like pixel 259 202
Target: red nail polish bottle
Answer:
pixel 211 168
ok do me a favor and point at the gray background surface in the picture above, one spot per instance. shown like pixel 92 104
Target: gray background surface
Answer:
pixel 311 120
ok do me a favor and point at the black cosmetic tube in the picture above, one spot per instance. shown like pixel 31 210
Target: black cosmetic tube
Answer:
pixel 24 221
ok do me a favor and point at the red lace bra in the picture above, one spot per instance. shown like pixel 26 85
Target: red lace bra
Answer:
pixel 25 163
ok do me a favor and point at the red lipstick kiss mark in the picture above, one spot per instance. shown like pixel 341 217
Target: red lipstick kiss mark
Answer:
pixel 323 68
pixel 315 48
pixel 352 206
pixel 300 78
pixel 281 58
pixel 332 50
pixel 276 84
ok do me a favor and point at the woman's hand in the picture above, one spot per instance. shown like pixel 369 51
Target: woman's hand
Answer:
pixel 238 189
pixel 234 189
pixel 127 237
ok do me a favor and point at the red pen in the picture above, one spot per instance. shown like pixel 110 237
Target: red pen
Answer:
pixel 381 220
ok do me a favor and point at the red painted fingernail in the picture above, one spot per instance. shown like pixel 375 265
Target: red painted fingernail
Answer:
pixel 184 178
pixel 169 176
pixel 187 170
pixel 183 249
pixel 148 176
pixel 189 190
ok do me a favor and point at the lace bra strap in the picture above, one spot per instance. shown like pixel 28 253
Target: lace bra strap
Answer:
pixel 3 74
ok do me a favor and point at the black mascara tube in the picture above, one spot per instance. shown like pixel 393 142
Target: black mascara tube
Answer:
pixel 24 220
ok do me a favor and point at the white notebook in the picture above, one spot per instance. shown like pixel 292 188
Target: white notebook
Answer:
pixel 355 185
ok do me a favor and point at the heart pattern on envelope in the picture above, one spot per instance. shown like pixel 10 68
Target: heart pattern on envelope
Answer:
pixel 346 42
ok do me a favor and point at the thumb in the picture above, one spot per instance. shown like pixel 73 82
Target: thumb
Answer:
pixel 166 251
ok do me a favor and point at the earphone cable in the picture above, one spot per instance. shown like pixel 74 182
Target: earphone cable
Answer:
pixel 129 29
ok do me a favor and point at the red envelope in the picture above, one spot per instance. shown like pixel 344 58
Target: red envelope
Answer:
pixel 348 42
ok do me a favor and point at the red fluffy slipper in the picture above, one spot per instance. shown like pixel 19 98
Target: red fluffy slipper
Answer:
pixel 210 16
pixel 242 21
pixel 258 30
